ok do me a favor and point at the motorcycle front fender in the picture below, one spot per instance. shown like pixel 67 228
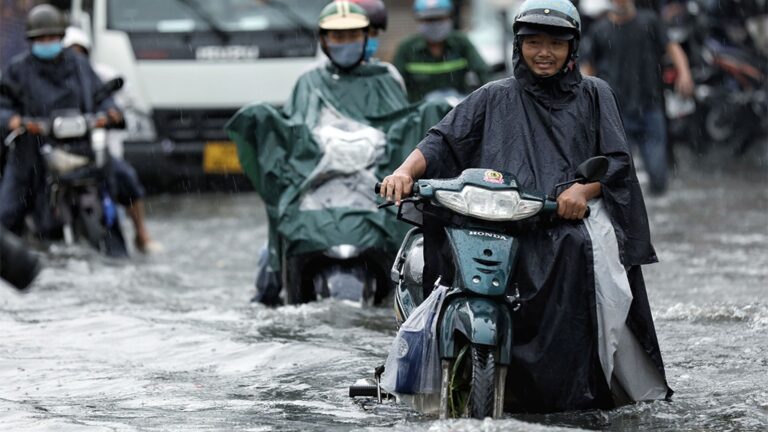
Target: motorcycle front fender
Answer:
pixel 482 321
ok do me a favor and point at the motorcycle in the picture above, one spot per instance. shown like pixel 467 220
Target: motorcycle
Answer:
pixel 730 102
pixel 483 211
pixel 76 185
pixel 343 270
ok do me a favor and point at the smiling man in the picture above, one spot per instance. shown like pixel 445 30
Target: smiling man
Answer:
pixel 584 337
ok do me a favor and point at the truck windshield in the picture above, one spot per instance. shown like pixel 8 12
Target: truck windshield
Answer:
pixel 183 16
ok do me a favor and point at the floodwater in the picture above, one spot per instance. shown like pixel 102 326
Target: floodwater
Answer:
pixel 171 343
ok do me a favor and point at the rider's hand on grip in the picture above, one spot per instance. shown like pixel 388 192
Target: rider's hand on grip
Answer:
pixel 33 128
pixel 396 186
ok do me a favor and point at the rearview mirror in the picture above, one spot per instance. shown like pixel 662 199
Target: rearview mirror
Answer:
pixel 107 89
pixel 592 169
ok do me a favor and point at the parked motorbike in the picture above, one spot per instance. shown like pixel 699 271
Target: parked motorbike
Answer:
pixel 76 185
pixel 483 212
pixel 730 103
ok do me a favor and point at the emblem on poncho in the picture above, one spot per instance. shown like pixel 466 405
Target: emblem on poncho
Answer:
pixel 492 176
pixel 402 348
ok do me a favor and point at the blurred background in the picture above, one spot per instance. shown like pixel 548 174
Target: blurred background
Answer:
pixel 171 342
pixel 190 65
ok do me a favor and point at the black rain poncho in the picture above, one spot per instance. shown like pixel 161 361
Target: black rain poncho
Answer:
pixel 316 198
pixel 541 130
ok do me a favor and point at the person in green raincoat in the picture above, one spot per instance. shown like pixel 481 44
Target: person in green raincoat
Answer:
pixel 314 162
pixel 439 60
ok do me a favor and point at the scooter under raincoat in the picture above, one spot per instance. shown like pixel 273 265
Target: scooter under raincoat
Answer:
pixel 584 332
pixel 315 161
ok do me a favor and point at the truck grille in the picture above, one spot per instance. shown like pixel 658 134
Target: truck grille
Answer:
pixel 184 125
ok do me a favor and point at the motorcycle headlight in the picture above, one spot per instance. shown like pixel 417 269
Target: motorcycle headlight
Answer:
pixel 488 205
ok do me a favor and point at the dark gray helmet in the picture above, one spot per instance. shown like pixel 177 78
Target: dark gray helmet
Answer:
pixel 557 18
pixel 45 20
pixel 560 16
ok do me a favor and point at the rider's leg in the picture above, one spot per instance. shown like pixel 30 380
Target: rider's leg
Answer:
pixel 16 186
pixel 130 194
pixel 268 284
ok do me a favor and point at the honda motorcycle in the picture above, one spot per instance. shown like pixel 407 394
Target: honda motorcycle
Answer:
pixel 483 211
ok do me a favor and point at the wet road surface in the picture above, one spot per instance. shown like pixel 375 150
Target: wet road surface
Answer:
pixel 171 342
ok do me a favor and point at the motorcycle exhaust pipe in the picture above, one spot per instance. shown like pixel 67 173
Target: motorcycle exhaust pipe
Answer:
pixel 18 266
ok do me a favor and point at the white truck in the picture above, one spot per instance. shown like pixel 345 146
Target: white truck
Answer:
pixel 189 65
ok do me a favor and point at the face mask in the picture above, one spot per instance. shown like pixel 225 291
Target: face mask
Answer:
pixel 436 31
pixel 370 48
pixel 46 50
pixel 346 55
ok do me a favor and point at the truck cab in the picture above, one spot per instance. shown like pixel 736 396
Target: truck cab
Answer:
pixel 189 65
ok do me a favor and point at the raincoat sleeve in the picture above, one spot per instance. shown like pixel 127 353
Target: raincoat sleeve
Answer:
pixel 477 64
pixel 8 107
pixel 620 188
pixel 454 142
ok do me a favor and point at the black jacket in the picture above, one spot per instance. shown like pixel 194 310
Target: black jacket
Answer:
pixel 68 82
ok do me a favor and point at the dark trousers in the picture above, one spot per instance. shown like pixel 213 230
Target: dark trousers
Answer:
pixel 648 131
pixel 22 187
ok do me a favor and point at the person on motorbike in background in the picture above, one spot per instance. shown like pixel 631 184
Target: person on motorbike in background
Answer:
pixel 438 58
pixel 579 323
pixel 50 78
pixel 356 89
pixel 126 177
pixel 378 17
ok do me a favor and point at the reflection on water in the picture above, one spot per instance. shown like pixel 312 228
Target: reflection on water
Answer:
pixel 171 342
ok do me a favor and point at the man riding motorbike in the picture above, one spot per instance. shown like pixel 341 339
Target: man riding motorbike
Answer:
pixel 287 155
pixel 439 59
pixel 50 78
pixel 584 337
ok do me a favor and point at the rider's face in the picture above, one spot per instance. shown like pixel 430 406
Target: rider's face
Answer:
pixel 544 54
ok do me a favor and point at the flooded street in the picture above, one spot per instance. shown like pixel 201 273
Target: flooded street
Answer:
pixel 171 342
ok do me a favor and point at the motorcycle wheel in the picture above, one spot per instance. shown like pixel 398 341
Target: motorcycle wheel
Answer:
pixel 473 383
pixel 720 123
pixel 88 225
pixel 291 281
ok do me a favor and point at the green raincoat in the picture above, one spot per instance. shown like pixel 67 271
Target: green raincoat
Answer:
pixel 286 154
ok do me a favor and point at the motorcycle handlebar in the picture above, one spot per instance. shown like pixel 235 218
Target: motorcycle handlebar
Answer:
pixel 377 188
pixel 553 206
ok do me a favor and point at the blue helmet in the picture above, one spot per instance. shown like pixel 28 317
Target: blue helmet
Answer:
pixel 425 9
pixel 558 16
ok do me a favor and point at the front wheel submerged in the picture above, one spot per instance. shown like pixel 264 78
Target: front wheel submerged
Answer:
pixel 472 386
pixel 483 389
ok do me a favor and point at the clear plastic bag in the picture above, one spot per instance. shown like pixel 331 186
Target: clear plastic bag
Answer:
pixel 413 363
